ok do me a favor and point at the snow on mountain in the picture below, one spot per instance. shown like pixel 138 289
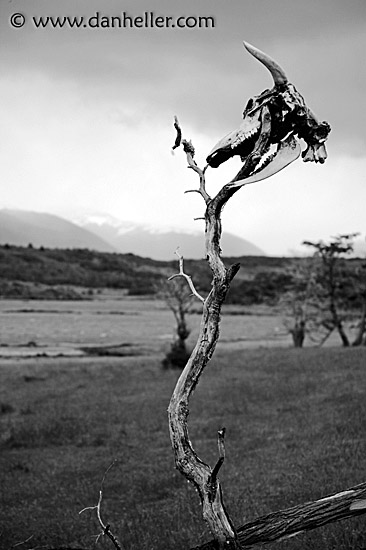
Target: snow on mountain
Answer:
pixel 160 242
pixel 108 234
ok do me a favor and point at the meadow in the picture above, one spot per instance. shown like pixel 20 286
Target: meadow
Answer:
pixel 294 419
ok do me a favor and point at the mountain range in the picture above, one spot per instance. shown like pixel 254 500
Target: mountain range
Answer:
pixel 21 228
pixel 107 234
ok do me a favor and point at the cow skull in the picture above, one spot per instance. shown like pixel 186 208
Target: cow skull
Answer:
pixel 266 139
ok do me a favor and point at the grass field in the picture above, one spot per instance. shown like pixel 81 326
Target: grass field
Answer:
pixel 295 424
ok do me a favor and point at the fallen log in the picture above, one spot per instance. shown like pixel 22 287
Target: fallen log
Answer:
pixel 290 522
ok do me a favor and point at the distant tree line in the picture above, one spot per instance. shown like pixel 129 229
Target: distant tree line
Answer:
pixel 76 267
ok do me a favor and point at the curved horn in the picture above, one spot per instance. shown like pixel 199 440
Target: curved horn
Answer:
pixel 313 115
pixel 278 74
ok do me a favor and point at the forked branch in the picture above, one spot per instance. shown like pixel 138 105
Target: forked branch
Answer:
pixel 106 528
pixel 188 278
pixel 191 466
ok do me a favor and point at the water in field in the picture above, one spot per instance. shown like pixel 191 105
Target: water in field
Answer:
pixel 144 326
pixel 105 321
pixel 114 319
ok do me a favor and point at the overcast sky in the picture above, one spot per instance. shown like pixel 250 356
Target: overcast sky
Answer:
pixel 86 115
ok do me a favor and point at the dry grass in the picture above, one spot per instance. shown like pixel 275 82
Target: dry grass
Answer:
pixel 295 432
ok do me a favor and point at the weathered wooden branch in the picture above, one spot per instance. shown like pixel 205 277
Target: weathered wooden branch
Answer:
pixel 293 521
pixel 190 465
pixel 188 278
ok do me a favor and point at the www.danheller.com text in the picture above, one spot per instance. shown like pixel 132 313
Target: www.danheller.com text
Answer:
pixel 125 20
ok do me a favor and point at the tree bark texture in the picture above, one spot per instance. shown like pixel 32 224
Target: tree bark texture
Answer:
pixel 298 519
pixel 362 327
pixel 203 477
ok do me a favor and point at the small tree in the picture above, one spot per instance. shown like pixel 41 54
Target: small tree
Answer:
pixel 179 298
pixel 330 275
pixel 297 304
pixel 304 307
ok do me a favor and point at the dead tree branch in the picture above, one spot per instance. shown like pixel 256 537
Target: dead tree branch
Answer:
pixel 293 521
pixel 190 465
pixel 190 152
pixel 178 139
pixel 106 528
pixel 220 462
pixel 188 278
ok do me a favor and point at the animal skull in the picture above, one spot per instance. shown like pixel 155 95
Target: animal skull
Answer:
pixel 266 139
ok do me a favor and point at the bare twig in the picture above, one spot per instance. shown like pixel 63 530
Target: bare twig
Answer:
pixel 178 139
pixel 221 446
pixel 190 152
pixel 187 277
pixel 212 480
pixel 105 527
pixel 201 172
pixel 22 542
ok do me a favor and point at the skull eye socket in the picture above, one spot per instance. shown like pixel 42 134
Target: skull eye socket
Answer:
pixel 249 105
